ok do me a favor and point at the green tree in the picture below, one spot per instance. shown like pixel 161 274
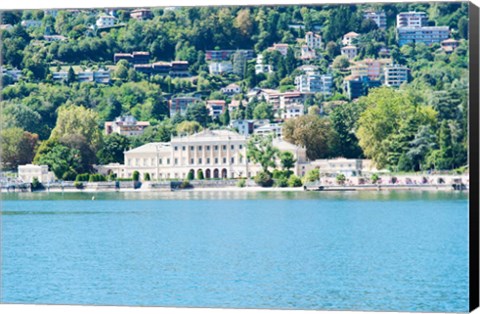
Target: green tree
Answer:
pixel 198 112
pixel 344 121
pixel 18 147
pixel 312 132
pixel 261 150
pixel 78 120
pixel 263 111
pixel 287 160
pixel 71 76
pixel 136 176
pixel 60 159
pixel 113 147
pixel 188 127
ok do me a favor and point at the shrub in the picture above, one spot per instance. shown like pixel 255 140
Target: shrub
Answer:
pixel 82 177
pixel 190 175
pixel 78 185
pixel 341 178
pixel 36 185
pixel 281 183
pixel 136 175
pixel 185 184
pixel 112 177
pixel 312 176
pixel 241 183
pixel 281 174
pixel 294 181
pixel 96 177
pixel 375 178
pixel 146 176
pixel 69 175
pixel 200 175
pixel 264 179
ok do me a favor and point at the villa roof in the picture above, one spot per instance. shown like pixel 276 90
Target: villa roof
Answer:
pixel 209 135
pixel 150 148
pixel 351 34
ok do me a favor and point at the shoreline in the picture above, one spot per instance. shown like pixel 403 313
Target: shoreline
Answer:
pixel 326 189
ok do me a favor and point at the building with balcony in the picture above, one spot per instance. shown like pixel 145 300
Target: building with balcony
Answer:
pixel 218 68
pixel 412 19
pixel 179 105
pixel 395 75
pixel 357 86
pixel 313 82
pixel 141 14
pixel 449 45
pixel 379 17
pixel 282 48
pixel 427 35
pixel 349 38
pixel 313 41
pixel 126 125
pixel 216 107
pixel 105 21
pixel 349 51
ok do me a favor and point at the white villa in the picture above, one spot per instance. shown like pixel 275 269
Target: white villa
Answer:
pixel 26 173
pixel 215 153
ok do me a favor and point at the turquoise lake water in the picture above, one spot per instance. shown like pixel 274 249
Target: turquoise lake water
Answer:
pixel 388 251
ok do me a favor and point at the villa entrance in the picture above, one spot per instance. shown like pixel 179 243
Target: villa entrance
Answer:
pixel 208 175
pixel 215 174
pixel 224 173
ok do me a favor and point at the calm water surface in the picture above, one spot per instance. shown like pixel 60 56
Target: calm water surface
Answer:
pixel 402 251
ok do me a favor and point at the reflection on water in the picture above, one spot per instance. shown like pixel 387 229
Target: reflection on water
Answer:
pixel 390 251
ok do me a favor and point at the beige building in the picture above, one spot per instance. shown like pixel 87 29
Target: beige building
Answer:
pixel 215 153
pixel 26 173
pixel 128 126
pixel 348 167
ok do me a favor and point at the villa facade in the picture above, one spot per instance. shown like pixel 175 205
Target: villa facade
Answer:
pixel 214 153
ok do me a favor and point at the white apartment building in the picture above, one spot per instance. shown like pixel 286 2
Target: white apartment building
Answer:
pixel 313 41
pixel 26 173
pixel 348 38
pixel 307 53
pixel 105 21
pixel 412 19
pixel 293 111
pixel 127 125
pixel 350 51
pixel 218 68
pixel 395 75
pixel 378 17
pixel 215 153
pixel 273 129
pixel 348 167
pixel 262 68
pixel 314 83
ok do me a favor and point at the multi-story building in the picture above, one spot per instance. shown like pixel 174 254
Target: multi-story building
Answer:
pixel 373 68
pixel 307 53
pixel 427 35
pixel 179 105
pixel 15 74
pixel 136 57
pixel 450 45
pixel 349 38
pixel 293 111
pixel 105 21
pixel 260 67
pixel 243 127
pixel 282 48
pixel 349 51
pixel 126 125
pixel 357 86
pixel 51 38
pixel 225 55
pixel 348 167
pixel 141 14
pixel 395 75
pixel 378 17
pixel 179 68
pixel 216 107
pixel 313 41
pixel 99 76
pixel 412 19
pixel 215 153
pixel 314 83
pixel 28 172
pixel 269 129
pixel 218 68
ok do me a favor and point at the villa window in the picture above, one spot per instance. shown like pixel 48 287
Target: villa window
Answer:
pixel 215 147
pixel 199 161
pixel 232 147
pixel 224 160
pixel 208 147
pixel 208 161
pixel 183 148
pixel 232 160
pixel 168 161
pixel 200 148
pixel 240 146
pixel 175 148
pixel 159 161
pixel 216 160
pixel 224 147
pixel 191 161
pixel 176 161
